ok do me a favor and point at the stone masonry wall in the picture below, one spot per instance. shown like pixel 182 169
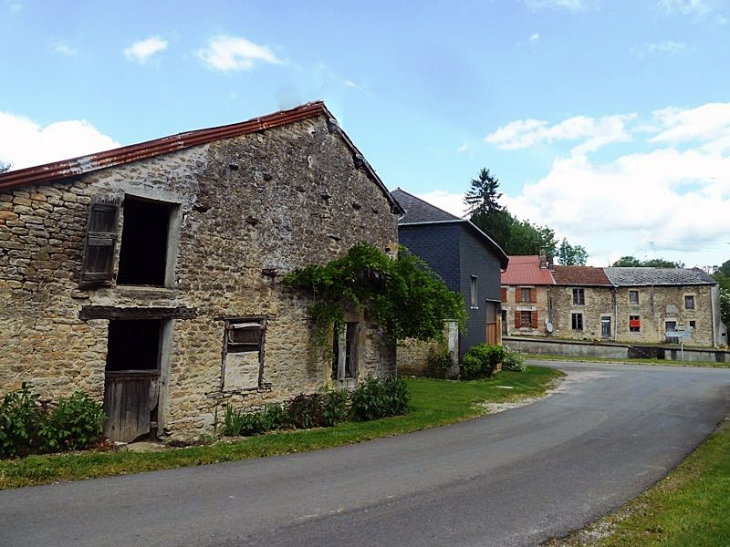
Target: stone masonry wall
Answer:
pixel 249 210
pixel 598 303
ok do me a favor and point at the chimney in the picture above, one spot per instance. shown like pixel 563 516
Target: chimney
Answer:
pixel 543 259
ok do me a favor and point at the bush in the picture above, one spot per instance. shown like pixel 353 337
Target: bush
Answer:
pixel 438 361
pixel 513 361
pixel 237 422
pixel 334 407
pixel 28 427
pixel 480 361
pixel 305 410
pixel 377 399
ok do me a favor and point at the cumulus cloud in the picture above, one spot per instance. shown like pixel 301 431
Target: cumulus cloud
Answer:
pixel 143 50
pixel 668 199
pixel 231 54
pixel 696 8
pixel 24 143
pixel 448 201
pixel 593 133
pixel 535 37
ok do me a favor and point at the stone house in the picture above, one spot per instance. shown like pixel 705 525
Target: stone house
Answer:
pixel 467 259
pixel 582 303
pixel 667 305
pixel 525 296
pixel 149 275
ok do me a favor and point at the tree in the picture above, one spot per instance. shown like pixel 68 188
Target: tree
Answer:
pixel 725 268
pixel 5 166
pixel 529 239
pixel 632 262
pixel 572 255
pixel 482 195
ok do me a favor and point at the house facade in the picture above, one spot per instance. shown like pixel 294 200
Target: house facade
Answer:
pixel 149 276
pixel 666 305
pixel 468 261
pixel 582 303
pixel 525 296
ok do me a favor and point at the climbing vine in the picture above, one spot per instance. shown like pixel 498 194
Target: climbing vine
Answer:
pixel 403 295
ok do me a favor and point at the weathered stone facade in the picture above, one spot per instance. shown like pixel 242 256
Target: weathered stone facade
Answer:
pixel 525 316
pixel 239 213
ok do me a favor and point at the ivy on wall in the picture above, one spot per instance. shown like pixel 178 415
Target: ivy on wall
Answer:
pixel 403 296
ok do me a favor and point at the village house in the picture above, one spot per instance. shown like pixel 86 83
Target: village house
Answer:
pixel 150 276
pixel 468 261
pixel 525 296
pixel 582 303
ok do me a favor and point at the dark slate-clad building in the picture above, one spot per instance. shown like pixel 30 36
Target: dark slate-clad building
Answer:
pixel 467 259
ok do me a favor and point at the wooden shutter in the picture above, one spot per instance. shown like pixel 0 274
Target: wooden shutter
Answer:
pixel 503 294
pixel 518 295
pixel 534 320
pixel 97 267
pixel 518 322
pixel 533 294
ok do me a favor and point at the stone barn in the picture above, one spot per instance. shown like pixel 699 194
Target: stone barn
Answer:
pixel 150 276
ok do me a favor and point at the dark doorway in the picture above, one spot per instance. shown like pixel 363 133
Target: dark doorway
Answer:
pixel 143 255
pixel 131 386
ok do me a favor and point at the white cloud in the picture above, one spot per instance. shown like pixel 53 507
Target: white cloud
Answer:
pixel 664 200
pixel 228 54
pixel 594 133
pixel 143 50
pixel 696 8
pixel 535 37
pixel 64 48
pixel 24 143
pixel 668 47
pixel 571 5
pixel 449 202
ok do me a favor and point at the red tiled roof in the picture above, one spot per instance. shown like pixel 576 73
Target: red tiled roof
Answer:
pixel 580 275
pixel 525 270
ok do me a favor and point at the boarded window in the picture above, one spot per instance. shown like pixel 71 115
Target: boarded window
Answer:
pixel 101 237
pixel 634 323
pixel 243 348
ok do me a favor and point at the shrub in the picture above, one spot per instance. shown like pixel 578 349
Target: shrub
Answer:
pixel 305 410
pixel 28 427
pixel 237 422
pixel 480 361
pixel 334 407
pixel 377 399
pixel 438 361
pixel 513 361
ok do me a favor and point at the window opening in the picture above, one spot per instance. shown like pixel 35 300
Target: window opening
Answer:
pixel 144 249
pixel 576 320
pixel 689 302
pixel 345 352
pixel 526 294
pixel 244 357
pixel 134 344
pixel 634 298
pixel 474 286
pixel 579 297
pixel 634 323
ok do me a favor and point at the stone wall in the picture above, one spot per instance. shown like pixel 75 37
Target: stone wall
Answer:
pixel 597 304
pixel 245 211
pixel 510 306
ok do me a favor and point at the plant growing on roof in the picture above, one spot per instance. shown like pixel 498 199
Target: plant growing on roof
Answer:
pixel 404 297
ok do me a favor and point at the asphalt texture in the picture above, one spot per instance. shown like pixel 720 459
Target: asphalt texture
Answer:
pixel 510 479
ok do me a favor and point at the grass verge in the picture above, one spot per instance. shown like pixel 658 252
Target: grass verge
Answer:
pixel 617 361
pixel 433 403
pixel 688 507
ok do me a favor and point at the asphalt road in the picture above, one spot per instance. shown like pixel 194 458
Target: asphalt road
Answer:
pixel 514 478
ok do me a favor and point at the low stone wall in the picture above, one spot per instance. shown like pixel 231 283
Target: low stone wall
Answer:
pixel 613 351
pixel 412 354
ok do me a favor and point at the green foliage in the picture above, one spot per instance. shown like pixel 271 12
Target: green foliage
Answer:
pixel 28 427
pixel 480 361
pixel 633 262
pixel 513 361
pixel 237 422
pixel 376 399
pixel 5 167
pixel 438 361
pixel 482 195
pixel 725 268
pixel 305 410
pixel 569 255
pixel 403 296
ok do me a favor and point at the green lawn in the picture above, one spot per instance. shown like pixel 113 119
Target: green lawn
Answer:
pixel 434 403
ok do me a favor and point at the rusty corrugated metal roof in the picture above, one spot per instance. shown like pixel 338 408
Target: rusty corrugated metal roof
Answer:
pixel 127 154
pixel 526 270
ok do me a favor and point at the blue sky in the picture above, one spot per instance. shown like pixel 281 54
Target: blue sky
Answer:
pixel 607 120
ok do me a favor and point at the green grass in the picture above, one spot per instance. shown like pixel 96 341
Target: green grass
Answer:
pixel 691 506
pixel 434 403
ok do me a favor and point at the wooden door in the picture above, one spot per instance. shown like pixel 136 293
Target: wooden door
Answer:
pixel 129 398
pixel 493 331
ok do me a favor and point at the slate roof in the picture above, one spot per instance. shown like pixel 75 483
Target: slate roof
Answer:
pixel 637 277
pixel 421 213
pixel 148 149
pixel 582 276
pixel 526 270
